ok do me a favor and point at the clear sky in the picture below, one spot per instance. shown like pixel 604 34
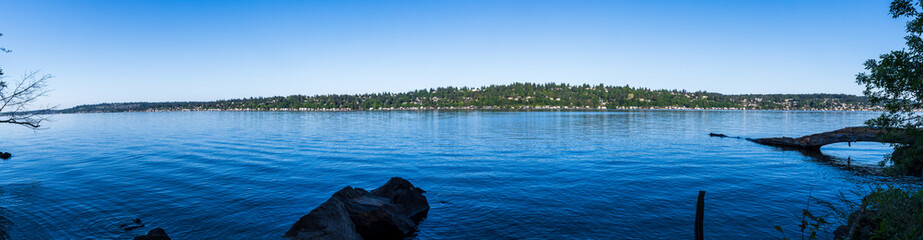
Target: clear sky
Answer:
pixel 117 51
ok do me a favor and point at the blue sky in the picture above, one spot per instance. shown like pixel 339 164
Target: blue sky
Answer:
pixel 117 51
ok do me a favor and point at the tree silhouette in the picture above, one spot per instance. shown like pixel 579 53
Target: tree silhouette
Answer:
pixel 895 81
pixel 17 97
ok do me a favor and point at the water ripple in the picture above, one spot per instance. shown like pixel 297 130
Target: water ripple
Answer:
pixel 489 175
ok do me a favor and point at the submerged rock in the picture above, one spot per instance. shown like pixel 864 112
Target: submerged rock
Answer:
pixel 131 225
pixel 391 211
pixel 154 234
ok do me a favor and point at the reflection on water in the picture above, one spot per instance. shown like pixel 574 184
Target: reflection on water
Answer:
pixel 864 158
pixel 864 153
pixel 506 175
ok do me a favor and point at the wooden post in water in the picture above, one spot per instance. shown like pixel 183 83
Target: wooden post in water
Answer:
pixel 699 215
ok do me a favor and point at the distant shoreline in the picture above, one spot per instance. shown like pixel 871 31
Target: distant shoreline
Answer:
pixel 516 96
pixel 475 109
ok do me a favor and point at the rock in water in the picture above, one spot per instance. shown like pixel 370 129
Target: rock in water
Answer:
pixel 328 221
pixel 133 224
pixel 391 211
pixel 154 234
pixel 717 135
pixel 409 198
pixel 5 155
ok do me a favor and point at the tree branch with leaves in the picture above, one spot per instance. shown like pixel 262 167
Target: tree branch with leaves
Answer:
pixel 895 81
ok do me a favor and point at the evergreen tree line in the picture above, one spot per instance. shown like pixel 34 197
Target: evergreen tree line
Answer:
pixel 512 96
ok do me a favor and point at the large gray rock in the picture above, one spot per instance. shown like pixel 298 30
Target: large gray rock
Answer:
pixel 391 211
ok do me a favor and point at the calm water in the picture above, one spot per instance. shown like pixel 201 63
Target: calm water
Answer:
pixel 488 175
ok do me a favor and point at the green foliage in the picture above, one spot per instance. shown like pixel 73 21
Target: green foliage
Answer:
pixel 907 158
pixel 809 225
pixel 900 211
pixel 891 212
pixel 895 82
pixel 840 209
pixel 513 96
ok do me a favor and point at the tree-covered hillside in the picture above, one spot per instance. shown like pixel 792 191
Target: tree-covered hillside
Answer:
pixel 513 96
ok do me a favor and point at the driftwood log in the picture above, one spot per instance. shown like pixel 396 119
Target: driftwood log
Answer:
pixel 815 141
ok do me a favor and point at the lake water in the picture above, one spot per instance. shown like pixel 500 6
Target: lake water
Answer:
pixel 488 175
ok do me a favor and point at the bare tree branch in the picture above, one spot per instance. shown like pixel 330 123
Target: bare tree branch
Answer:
pixel 15 101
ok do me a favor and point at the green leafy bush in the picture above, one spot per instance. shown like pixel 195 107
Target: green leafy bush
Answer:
pixel 900 211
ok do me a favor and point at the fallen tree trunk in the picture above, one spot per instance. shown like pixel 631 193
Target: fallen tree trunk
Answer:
pixel 815 141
